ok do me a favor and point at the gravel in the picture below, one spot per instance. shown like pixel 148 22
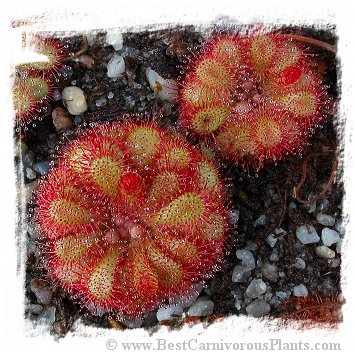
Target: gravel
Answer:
pixel 74 100
pixel 201 307
pixel 261 221
pixel 256 288
pixel 271 240
pixel 325 219
pixel 246 257
pixel 300 263
pixel 116 66
pixel 270 272
pixel 240 274
pixel 165 313
pixel 300 290
pixel 42 167
pixel 329 237
pixel 325 252
pixel 307 234
pixel 258 308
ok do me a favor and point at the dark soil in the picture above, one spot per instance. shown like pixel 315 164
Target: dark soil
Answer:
pixel 267 192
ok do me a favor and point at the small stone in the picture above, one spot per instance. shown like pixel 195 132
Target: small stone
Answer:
pixel 240 274
pixel 101 102
pixel 48 316
pixel 339 245
pixel 300 263
pixel 329 237
pixel 165 89
pixel 133 323
pixel 61 120
pixel 261 221
pixel 246 257
pixel 311 207
pixel 42 167
pixel 86 60
pixel 74 100
pixel 116 66
pixel 274 257
pixel 282 295
pixel 325 252
pixel 115 39
pixel 110 95
pixel 300 290
pixel 42 291
pixel 35 309
pixel 30 174
pixel 201 308
pixel 307 234
pixel 323 205
pixel 270 272
pixel 292 205
pixel 325 219
pixel 165 313
pixel 27 159
pixel 280 233
pixel 339 226
pixel 238 304
pixel 258 308
pixel 256 288
pixel 251 246
pixel 271 240
pixel 233 216
pixel 334 263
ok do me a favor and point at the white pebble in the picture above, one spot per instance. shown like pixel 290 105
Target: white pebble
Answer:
pixel 246 257
pixel 166 89
pixel 74 100
pixel 339 245
pixel 116 66
pixel 329 237
pixel 165 313
pixel 300 290
pixel 325 252
pixel 325 219
pixel 201 308
pixel 114 39
pixel 307 234
pixel 258 308
pixel 256 288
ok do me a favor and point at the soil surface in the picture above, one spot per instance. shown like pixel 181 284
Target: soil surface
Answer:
pixel 269 192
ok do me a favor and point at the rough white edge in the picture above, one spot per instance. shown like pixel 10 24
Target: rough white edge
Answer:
pixel 67 15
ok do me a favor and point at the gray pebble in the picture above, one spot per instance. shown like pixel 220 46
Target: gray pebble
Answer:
pixel 269 271
pixel 110 95
pixel 261 221
pixel 48 316
pixel 325 252
pixel 256 288
pixel 307 234
pixel 334 263
pixel 271 240
pixel 329 237
pixel 246 257
pixel 30 174
pixel 300 290
pixel 35 309
pixel 133 323
pixel 325 219
pixel 300 263
pixel 292 205
pixel 258 308
pixel 240 274
pixel 339 226
pixel 42 167
pixel 165 313
pixel 27 159
pixel 323 205
pixel 274 256
pixel 101 102
pixel 201 308
pixel 283 295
